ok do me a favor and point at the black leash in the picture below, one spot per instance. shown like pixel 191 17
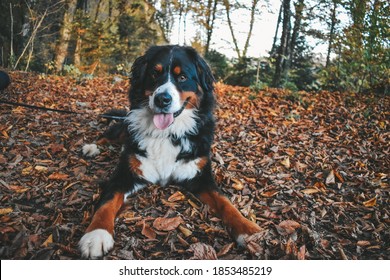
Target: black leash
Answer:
pixel 56 110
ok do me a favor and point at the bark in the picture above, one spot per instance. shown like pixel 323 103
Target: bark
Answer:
pixel 236 48
pixel 282 52
pixel 297 27
pixel 273 49
pixel 65 35
pixel 332 32
pixel 252 21
pixel 210 22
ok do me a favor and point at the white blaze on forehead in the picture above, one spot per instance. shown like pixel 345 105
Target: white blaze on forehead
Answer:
pixel 171 89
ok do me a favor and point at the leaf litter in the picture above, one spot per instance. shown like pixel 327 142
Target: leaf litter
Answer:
pixel 313 172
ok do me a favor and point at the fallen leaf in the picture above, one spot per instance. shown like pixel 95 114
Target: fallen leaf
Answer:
pixel 310 191
pixel 287 227
pixel 177 196
pixel 225 249
pixel 254 243
pixel 202 252
pixel 269 193
pixel 286 162
pixel 301 253
pixel 41 168
pixel 370 203
pixel 148 231
pixel 185 231
pixel 5 211
pixel 330 179
pixel 167 224
pixel 48 241
pixel 58 176
pixel 363 243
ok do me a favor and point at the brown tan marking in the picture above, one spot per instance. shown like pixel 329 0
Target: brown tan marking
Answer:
pixel 177 70
pixel 202 162
pixel 158 67
pixel 193 100
pixel 105 215
pixel 233 219
pixel 148 92
pixel 135 165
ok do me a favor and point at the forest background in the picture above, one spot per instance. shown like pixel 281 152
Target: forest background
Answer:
pixel 85 38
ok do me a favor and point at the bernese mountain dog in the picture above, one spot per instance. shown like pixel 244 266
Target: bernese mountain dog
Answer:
pixel 170 130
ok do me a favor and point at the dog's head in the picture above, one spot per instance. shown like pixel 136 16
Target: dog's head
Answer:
pixel 168 80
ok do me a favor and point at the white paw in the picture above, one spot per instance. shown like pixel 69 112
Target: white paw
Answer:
pixel 241 240
pixel 90 150
pixel 96 243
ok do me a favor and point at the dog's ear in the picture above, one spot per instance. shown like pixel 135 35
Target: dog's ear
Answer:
pixel 137 75
pixel 205 75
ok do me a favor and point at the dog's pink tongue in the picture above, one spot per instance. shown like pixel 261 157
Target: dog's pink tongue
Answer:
pixel 162 121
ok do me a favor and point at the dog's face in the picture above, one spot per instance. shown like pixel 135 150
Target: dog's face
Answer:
pixel 168 80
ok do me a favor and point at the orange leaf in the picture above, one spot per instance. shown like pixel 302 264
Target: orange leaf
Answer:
pixel 58 176
pixel 177 196
pixel 370 203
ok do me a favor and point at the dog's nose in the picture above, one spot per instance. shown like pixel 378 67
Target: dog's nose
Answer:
pixel 163 100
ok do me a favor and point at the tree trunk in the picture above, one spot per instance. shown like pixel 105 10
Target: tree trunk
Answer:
pixel 297 27
pixel 252 21
pixel 273 49
pixel 332 32
pixel 210 23
pixel 236 48
pixel 282 52
pixel 65 34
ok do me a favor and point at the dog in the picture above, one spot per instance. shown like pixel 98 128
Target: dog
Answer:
pixel 170 130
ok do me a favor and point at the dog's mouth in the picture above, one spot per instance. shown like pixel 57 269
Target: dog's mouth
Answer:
pixel 164 120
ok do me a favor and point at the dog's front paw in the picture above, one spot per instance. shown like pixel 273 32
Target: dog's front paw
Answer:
pixel 96 243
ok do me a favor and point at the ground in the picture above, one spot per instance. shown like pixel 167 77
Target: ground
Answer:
pixel 312 169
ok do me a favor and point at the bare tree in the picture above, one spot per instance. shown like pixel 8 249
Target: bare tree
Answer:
pixel 228 8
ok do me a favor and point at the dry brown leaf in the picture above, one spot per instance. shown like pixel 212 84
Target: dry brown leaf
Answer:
pixel 225 249
pixel 167 224
pixel 48 241
pixel 58 176
pixel 254 243
pixel 148 231
pixel 310 191
pixel 287 227
pixel 286 162
pixel 330 179
pixel 370 203
pixel 363 243
pixel 202 252
pixel 177 196
pixel 301 253
pixel 41 168
pixel 5 211
pixel 269 193
pixel 185 231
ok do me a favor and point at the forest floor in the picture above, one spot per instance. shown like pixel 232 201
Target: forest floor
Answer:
pixel 312 169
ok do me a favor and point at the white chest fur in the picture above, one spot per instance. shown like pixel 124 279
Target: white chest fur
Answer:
pixel 160 166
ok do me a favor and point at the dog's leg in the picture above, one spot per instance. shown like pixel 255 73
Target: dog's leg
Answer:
pixel 98 239
pixel 238 226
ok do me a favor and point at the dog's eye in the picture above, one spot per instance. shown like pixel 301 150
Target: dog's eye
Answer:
pixel 182 78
